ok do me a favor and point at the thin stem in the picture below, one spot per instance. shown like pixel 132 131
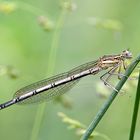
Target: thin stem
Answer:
pixel 106 105
pixel 135 113
pixel 51 64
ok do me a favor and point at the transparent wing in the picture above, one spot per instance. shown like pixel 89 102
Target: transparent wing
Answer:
pixel 54 92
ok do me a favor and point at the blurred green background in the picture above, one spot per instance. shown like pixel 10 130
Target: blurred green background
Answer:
pixel 41 38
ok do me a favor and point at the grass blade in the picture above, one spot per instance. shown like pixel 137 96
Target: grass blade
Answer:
pixel 135 113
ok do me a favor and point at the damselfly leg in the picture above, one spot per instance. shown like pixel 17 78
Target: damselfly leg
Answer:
pixel 116 70
pixel 109 74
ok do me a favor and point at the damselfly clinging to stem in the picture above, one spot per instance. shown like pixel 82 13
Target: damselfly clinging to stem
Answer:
pixel 57 85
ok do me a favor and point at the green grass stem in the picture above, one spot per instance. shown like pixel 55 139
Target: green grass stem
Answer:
pixel 135 113
pixel 51 64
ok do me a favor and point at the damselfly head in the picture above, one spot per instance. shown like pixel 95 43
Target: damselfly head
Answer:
pixel 127 54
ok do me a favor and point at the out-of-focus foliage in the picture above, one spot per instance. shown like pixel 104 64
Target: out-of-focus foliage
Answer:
pixel 7 7
pixel 80 128
pixel 8 70
pixel 105 23
pixel 45 23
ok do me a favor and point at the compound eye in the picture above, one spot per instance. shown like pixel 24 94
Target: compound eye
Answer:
pixel 127 54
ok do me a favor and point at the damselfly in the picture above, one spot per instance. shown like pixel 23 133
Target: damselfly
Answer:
pixel 57 85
